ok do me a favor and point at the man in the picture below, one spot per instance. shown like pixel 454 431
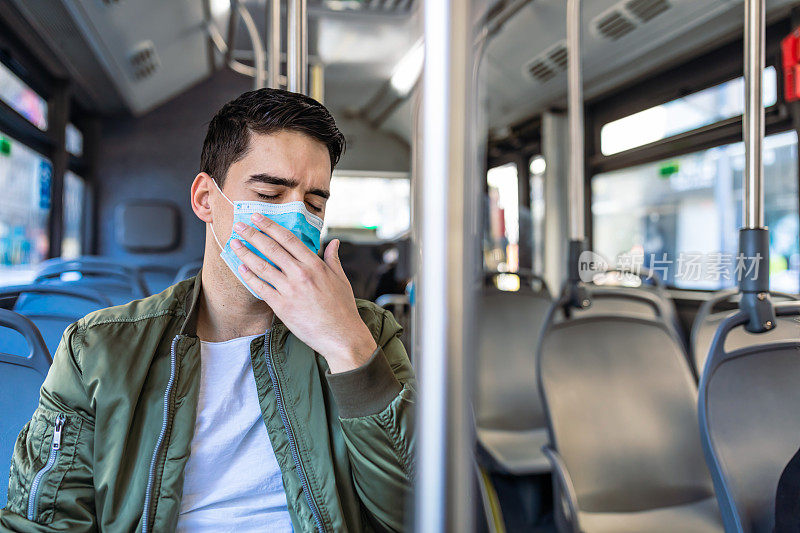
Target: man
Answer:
pixel 179 412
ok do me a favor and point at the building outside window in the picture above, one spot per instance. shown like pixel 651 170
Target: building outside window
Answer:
pixel 680 216
pixel 368 208
pixel 501 238
pixel 25 178
pixel 23 99
pixel 74 198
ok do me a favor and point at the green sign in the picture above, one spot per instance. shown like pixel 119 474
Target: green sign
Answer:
pixel 668 169
pixel 5 146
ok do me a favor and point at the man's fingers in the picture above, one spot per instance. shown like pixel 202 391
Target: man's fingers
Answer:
pixel 266 245
pixel 332 258
pixel 285 238
pixel 256 265
pixel 268 292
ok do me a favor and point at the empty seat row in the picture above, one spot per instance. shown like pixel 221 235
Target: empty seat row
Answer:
pixel 617 411
pixel 21 375
pixel 621 406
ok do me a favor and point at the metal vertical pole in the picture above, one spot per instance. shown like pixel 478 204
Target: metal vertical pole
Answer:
pixel 445 476
pixel 274 59
pixel 297 46
pixel 754 236
pixel 577 224
pixel 754 24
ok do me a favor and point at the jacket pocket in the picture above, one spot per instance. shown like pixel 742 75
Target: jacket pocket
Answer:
pixel 43 455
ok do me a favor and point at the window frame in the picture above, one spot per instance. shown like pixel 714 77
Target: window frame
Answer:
pixel 46 76
pixel 701 72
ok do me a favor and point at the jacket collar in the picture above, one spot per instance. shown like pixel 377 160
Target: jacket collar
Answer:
pixel 191 305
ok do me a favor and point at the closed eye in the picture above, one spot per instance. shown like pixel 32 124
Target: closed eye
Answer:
pixel 313 207
pixel 268 196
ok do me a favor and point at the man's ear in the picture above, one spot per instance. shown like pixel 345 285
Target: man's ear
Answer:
pixel 200 197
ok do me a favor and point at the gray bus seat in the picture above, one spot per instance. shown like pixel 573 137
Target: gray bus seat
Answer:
pixel 510 421
pixel 400 307
pixel 52 308
pixel 749 422
pixel 157 277
pixel 620 282
pixel 21 376
pixel 121 283
pixel 621 403
pixel 707 321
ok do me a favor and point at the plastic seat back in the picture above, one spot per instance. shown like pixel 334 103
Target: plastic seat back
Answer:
pixel 121 283
pixel 21 376
pixel 53 308
pixel 707 322
pixel 621 405
pixel 749 405
pixel 188 270
pixel 509 328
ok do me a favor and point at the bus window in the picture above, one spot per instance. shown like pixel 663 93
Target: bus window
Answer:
pixel 24 210
pixel 22 99
pixel 74 140
pixel 702 108
pixel 368 208
pixel 74 195
pixel 680 216
pixel 537 168
pixel 500 250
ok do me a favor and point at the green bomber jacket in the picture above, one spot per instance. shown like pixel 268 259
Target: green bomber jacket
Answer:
pixel 106 448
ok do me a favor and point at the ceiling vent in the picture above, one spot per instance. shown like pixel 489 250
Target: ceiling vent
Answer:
pixel 627 16
pixel 558 56
pixel 540 70
pixel 549 63
pixel 110 2
pixel 143 60
pixel 614 25
pixel 646 10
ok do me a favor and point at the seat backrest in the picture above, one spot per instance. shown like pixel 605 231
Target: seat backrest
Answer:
pixel 620 400
pixel 120 282
pixel 508 332
pixel 188 270
pixel 55 300
pixel 21 376
pixel 749 405
pixel 52 308
pixel 707 322
pixel 157 277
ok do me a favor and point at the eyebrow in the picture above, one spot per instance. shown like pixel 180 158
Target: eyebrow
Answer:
pixel 285 182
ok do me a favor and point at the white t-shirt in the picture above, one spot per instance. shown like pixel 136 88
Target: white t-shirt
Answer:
pixel 232 479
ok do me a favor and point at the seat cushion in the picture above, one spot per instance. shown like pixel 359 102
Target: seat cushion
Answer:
pixel 695 517
pixel 518 452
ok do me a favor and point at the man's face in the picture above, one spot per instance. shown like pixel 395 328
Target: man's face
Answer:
pixel 281 167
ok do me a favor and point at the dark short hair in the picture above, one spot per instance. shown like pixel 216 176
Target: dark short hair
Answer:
pixel 265 111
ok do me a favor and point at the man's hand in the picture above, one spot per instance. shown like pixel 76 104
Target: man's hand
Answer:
pixel 311 296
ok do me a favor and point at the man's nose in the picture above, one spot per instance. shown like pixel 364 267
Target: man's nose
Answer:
pixel 295 195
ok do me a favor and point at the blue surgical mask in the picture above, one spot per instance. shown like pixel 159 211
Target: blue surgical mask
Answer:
pixel 293 216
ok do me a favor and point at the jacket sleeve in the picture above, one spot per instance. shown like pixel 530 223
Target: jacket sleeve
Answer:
pixel 376 409
pixel 63 497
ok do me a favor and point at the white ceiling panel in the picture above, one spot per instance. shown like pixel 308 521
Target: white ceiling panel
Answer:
pixel 649 33
pixel 174 30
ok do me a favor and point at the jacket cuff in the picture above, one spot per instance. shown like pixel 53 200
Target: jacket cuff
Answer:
pixel 366 390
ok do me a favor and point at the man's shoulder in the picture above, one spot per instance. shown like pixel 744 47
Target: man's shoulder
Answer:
pixel 380 321
pixel 170 302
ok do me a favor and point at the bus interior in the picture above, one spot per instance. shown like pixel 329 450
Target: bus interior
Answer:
pixel 615 392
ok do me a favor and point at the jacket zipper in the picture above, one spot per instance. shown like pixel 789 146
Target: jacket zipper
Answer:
pixel 290 434
pixel 55 450
pixel 148 495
